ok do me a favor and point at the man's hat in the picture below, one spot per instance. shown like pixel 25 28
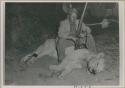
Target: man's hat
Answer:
pixel 67 8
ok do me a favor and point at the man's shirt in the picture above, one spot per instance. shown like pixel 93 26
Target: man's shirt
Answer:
pixel 65 28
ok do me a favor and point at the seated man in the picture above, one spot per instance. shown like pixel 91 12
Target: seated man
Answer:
pixel 67 28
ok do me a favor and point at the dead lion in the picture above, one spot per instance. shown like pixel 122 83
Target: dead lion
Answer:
pixel 74 58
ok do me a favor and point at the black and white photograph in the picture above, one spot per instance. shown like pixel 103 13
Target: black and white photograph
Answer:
pixel 61 43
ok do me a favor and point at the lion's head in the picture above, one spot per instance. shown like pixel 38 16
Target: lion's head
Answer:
pixel 96 63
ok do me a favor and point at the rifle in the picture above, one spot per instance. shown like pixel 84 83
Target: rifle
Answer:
pixel 76 38
pixel 80 23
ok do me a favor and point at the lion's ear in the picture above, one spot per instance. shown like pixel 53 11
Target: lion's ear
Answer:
pixel 100 55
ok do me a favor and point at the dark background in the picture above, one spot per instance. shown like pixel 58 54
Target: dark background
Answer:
pixel 29 24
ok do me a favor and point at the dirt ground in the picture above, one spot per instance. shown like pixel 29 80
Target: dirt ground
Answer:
pixel 39 74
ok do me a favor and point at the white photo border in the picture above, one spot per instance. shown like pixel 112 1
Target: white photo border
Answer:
pixel 121 43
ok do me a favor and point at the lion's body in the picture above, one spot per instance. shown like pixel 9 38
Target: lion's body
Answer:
pixel 72 60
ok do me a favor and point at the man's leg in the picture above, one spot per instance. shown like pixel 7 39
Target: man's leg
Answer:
pixel 62 44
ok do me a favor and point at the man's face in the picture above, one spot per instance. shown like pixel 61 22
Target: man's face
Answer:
pixel 73 17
